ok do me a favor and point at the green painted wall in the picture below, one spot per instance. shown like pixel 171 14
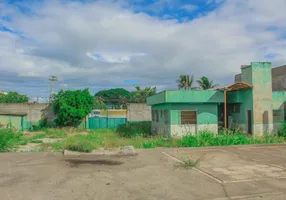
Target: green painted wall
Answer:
pixel 245 97
pixel 206 113
pixel 237 96
pixel 186 96
pixel 15 121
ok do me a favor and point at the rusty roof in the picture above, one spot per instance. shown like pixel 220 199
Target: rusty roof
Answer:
pixel 234 87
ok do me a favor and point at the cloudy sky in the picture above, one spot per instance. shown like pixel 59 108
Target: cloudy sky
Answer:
pixel 103 44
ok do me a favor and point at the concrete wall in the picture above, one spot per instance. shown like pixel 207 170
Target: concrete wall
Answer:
pixel 138 112
pixel 278 78
pixel 35 111
pixel 171 127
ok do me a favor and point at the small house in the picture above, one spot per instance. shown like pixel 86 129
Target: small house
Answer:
pixel 249 106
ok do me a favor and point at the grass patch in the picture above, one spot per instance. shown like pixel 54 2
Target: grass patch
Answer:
pixel 57 146
pixel 39 136
pixel 8 140
pixel 206 138
pixel 110 139
pixel 56 133
pixel 23 142
pixel 131 129
pixel 36 141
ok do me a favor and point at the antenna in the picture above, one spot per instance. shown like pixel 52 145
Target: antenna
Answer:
pixel 52 79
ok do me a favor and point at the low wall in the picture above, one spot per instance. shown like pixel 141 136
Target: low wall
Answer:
pixel 138 112
pixel 35 111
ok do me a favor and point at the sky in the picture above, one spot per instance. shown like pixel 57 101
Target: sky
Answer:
pixel 102 44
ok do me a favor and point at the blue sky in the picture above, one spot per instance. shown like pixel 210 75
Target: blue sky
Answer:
pixel 122 43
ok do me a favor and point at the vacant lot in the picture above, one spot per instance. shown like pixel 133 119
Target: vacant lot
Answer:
pixel 55 140
pixel 241 172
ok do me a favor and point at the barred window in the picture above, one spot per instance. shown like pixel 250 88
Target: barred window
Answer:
pixel 155 115
pixel 277 115
pixel 188 117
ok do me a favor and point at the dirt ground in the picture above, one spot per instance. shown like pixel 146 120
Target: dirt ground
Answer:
pixel 242 172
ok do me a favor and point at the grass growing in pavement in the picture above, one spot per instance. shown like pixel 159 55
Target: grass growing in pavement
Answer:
pixel 188 163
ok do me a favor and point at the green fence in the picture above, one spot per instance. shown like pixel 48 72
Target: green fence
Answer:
pixel 104 122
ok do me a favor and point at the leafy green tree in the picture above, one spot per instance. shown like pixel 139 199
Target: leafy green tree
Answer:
pixel 99 102
pixel 185 82
pixel 13 97
pixel 205 83
pixel 72 106
pixel 114 96
pixel 141 94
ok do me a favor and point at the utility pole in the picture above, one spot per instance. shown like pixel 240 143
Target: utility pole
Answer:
pixel 52 79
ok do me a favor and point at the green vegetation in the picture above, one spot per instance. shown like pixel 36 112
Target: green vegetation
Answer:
pixel 72 106
pixel 282 131
pixel 36 141
pixel 185 82
pixel 205 83
pixel 206 138
pixel 132 133
pixel 131 129
pixel 114 96
pixel 56 133
pixel 188 163
pixel 141 94
pixel 8 140
pixel 13 97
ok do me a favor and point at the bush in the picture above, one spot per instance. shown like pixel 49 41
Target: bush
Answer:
pixel 43 124
pixel 131 129
pixel 282 131
pixel 8 139
pixel 84 143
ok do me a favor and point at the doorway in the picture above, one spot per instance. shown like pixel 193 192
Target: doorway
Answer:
pixel 249 122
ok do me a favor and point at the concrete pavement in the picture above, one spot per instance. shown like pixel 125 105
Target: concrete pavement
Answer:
pixel 242 172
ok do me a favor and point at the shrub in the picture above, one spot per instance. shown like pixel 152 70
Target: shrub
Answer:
pixel 282 131
pixel 84 143
pixel 81 145
pixel 131 129
pixel 8 139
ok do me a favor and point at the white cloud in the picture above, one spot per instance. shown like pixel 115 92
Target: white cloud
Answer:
pixel 113 57
pixel 63 37
pixel 189 7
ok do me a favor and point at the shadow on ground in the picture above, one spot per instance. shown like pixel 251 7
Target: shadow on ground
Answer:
pixel 78 162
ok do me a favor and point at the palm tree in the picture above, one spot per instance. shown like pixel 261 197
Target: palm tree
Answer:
pixel 185 82
pixel 205 83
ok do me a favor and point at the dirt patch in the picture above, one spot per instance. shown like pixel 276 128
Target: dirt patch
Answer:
pixel 51 140
pixel 29 147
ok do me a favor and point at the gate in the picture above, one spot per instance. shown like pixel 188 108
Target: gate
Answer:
pixel 105 118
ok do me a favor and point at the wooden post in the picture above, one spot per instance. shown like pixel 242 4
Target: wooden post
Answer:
pixel 225 112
